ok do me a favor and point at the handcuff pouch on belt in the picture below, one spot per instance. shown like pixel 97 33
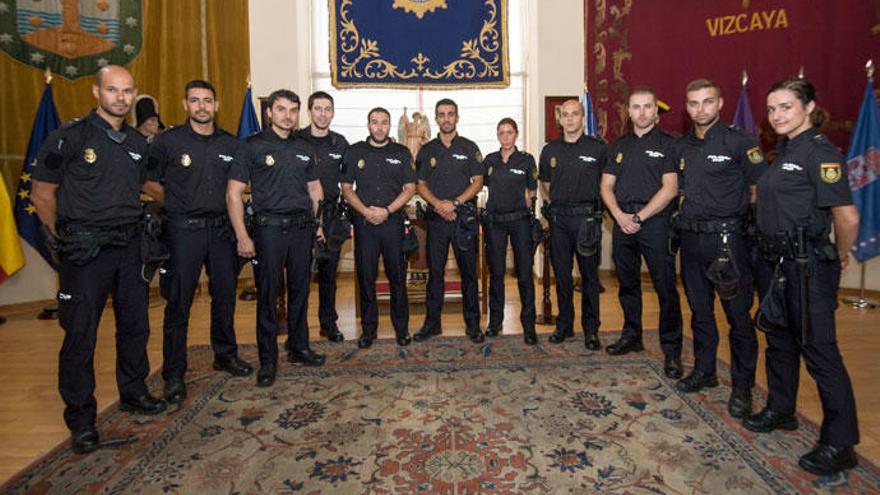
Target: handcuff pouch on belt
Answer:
pixel 723 272
pixel 467 226
pixel 771 316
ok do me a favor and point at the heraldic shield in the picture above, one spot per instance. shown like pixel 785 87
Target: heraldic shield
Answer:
pixel 72 37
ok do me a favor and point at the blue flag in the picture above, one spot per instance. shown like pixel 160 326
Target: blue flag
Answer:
pixel 45 122
pixel 863 162
pixel 591 128
pixel 743 116
pixel 247 123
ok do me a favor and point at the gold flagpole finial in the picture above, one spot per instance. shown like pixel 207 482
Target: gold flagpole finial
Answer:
pixel 745 78
pixel 48 75
pixel 248 80
pixel 586 87
pixel 869 68
pixel 801 73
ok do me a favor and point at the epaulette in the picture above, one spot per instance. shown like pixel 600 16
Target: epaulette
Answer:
pixel 71 123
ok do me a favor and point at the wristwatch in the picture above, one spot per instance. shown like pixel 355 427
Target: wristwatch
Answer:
pixel 456 203
pixel 637 219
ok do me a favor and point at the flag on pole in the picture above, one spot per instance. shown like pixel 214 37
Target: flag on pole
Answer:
pixel 11 256
pixel 591 128
pixel 863 163
pixel 247 122
pixel 743 116
pixel 45 122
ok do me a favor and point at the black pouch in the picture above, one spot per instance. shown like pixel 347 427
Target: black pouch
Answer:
pixel 79 248
pixel 538 234
pixel 674 221
pixel 724 276
pixel 771 315
pixel 410 239
pixel 466 227
pixel 154 250
pixel 589 236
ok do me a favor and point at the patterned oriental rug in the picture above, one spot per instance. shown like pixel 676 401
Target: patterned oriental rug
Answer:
pixel 445 417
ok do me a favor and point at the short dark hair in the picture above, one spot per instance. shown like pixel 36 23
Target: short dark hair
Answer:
pixel 702 83
pixel 642 90
pixel 199 84
pixel 803 89
pixel 507 121
pixel 378 110
pixel 282 93
pixel 445 101
pixel 319 95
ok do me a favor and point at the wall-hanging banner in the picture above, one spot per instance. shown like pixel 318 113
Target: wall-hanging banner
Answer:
pixel 412 43
pixel 668 44
pixel 72 37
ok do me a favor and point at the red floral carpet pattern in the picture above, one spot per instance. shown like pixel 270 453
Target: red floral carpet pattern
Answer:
pixel 446 417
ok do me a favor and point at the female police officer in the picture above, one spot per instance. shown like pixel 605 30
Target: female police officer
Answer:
pixel 511 176
pixel 799 198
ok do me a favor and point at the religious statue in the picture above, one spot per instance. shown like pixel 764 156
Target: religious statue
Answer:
pixel 413 133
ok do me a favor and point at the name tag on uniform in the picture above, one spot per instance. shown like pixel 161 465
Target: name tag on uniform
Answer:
pixel 718 158
pixel 393 161
pixel 459 157
pixel 791 167
pixel 588 159
pixel 654 154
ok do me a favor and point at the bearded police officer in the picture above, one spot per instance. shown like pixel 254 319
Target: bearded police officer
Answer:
pixel 187 168
pixel 329 149
pixel 570 169
pixel 87 192
pixel 286 192
pixel 718 164
pixel 378 179
pixel 450 175
pixel 638 183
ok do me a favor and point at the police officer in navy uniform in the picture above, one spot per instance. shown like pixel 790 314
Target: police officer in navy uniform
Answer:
pixel 511 178
pixel 806 190
pixel 86 191
pixel 286 192
pixel 718 165
pixel 378 179
pixel 187 170
pixel 638 183
pixel 569 171
pixel 329 149
pixel 450 174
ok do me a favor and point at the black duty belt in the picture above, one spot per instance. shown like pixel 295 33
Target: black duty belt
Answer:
pixel 126 231
pixel 631 206
pixel 298 219
pixel 507 217
pixel 196 223
pixel 784 244
pixel 720 226
pixel 573 210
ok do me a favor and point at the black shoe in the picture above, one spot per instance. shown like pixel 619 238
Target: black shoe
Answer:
pixel 426 333
pixel 365 342
pixel 827 459
pixel 234 366
pixel 404 340
pixel 696 381
pixel 266 376
pixel 175 390
pixel 529 336
pixel 740 403
pixel 476 335
pixel 306 357
pixel 767 420
pixel 145 404
pixel 672 367
pixel 591 341
pixel 493 331
pixel 84 441
pixel 332 333
pixel 558 336
pixel 625 345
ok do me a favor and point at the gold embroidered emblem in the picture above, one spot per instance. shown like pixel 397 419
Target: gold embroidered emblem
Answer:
pixel 433 162
pixel 361 164
pixel 552 162
pixel 478 157
pixel 489 172
pixel 419 7
pixel 830 172
pixel 535 173
pixel 755 155
pixel 185 160
pixel 619 158
pixel 681 164
pixel 270 160
pixel 89 155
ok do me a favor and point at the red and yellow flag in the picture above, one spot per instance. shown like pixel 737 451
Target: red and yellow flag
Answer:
pixel 11 255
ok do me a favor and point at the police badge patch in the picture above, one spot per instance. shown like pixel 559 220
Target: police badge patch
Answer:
pixel 489 172
pixel 681 164
pixel 270 160
pixel 361 164
pixel 478 157
pixel 185 160
pixel 619 158
pixel 89 155
pixel 433 162
pixel 830 172
pixel 755 155
pixel 552 162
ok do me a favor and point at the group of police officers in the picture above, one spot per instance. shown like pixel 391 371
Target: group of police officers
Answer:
pixel 698 192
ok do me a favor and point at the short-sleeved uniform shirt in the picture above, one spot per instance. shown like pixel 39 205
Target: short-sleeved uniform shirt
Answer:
pixel 448 171
pixel 639 164
pixel 329 151
pixel 716 172
pixel 279 171
pixel 507 182
pixel 99 179
pixel 193 168
pixel 573 170
pixel 378 173
pixel 807 178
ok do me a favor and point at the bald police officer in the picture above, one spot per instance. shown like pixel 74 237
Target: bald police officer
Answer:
pixel 286 192
pixel 86 190
pixel 450 174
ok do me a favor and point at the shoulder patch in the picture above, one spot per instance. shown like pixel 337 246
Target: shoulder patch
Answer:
pixel 478 157
pixel 755 155
pixel 619 158
pixel 830 172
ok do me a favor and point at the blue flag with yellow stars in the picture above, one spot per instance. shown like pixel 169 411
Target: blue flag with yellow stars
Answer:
pixel 26 218
pixel 419 43
pixel 247 122
pixel 863 162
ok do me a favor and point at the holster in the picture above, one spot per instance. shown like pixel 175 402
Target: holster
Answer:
pixel 410 239
pixel 589 235
pixel 674 221
pixel 771 315
pixel 154 251
pixel 466 226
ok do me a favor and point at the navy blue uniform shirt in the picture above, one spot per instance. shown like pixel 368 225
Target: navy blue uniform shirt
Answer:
pixel 448 171
pixel 329 151
pixel 639 164
pixel 573 170
pixel 507 182
pixel 378 172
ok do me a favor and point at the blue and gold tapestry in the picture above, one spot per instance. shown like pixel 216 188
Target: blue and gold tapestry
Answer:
pixel 419 43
